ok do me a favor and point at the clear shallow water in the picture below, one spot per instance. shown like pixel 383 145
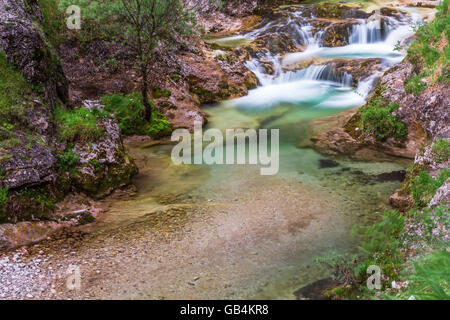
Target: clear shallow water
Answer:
pixel 287 101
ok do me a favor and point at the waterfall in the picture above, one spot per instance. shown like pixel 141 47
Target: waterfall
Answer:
pixel 367 32
pixel 365 86
pixel 304 32
pixel 313 72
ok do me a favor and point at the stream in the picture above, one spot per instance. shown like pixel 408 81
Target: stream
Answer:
pixel 225 231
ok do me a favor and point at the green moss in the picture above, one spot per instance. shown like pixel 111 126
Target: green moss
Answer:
pixel 29 204
pixel 376 119
pixel 176 77
pixel 78 124
pixel 54 23
pixel 129 112
pixel 204 95
pixel 161 93
pixel 67 160
pixel 86 219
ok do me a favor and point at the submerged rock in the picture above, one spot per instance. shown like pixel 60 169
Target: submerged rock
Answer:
pixel 391 176
pixel 316 290
pixel 26 233
pixel 328 163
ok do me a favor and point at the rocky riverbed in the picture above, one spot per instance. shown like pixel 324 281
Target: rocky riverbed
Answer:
pixel 206 232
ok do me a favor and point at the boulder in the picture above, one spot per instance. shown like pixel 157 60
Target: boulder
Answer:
pixel 104 165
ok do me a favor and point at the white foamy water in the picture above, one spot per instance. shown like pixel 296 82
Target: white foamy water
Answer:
pixel 319 85
pixel 367 40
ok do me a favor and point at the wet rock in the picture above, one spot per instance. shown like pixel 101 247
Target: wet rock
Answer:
pixel 337 34
pixel 401 200
pixel 338 10
pixel 215 80
pixel 359 69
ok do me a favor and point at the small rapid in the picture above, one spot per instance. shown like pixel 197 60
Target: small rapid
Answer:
pixel 319 84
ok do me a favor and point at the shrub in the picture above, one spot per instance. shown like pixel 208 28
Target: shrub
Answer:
pixel 129 111
pixel 78 124
pixel 67 160
pixel 377 120
pixel 159 93
pixel 427 53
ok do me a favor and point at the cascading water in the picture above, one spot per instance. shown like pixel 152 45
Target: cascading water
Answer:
pixel 313 72
pixel 368 32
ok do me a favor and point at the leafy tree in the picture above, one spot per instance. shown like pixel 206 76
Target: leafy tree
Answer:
pixel 147 25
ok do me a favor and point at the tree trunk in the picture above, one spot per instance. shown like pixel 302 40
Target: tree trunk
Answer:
pixel 144 88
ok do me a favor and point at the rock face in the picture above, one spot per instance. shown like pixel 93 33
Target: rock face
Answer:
pixel 26 47
pixel 31 163
pixel 104 165
pixel 29 168
pixel 429 109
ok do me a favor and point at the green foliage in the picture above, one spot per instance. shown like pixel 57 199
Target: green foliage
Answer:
pixel 424 186
pixel 377 120
pixel 67 160
pixel 430 278
pixel 159 93
pixel 78 124
pixel 428 54
pixel 129 111
pixel 415 85
pixel 381 245
pixel 94 23
pixel 441 148
pixel 329 10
